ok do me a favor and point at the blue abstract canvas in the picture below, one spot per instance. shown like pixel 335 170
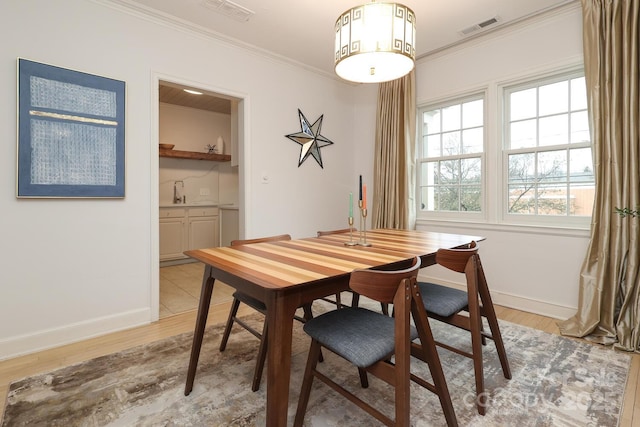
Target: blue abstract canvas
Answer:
pixel 70 133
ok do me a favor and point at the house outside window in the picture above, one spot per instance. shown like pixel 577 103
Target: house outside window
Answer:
pixel 547 157
pixel 451 158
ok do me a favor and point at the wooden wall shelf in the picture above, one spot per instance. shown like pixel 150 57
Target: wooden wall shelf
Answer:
pixel 177 154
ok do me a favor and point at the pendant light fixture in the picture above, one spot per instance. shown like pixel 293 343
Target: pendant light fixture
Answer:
pixel 375 42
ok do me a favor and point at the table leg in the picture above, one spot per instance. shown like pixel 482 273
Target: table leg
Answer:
pixel 201 322
pixel 280 312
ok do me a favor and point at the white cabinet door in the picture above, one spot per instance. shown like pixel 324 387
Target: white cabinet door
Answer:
pixel 184 229
pixel 172 238
pixel 203 232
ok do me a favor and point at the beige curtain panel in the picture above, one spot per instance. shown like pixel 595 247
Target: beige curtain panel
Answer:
pixel 394 160
pixel 609 303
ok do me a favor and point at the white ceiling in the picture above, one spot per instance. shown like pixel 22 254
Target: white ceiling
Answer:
pixel 303 30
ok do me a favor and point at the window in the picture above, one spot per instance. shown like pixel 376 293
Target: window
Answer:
pixel 531 164
pixel 450 175
pixel 547 158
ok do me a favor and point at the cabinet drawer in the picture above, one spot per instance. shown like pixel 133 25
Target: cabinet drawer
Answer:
pixel 172 213
pixel 195 212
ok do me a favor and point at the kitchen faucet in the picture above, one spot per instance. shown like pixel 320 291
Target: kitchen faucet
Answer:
pixel 178 197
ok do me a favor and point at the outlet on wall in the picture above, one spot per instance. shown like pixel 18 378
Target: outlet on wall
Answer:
pixel 204 192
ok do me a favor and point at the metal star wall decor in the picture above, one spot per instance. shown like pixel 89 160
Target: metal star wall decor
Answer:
pixel 310 139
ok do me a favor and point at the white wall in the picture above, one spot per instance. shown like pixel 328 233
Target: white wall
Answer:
pixel 529 268
pixel 76 268
pixel 191 129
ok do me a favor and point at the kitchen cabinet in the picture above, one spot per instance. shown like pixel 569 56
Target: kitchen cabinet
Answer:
pixel 173 236
pixel 182 229
pixel 203 228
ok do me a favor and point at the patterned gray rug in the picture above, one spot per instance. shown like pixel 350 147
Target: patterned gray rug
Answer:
pixel 556 382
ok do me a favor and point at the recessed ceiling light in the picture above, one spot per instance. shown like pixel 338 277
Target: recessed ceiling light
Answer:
pixel 193 92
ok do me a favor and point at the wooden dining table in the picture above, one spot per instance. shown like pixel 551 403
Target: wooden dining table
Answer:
pixel 287 274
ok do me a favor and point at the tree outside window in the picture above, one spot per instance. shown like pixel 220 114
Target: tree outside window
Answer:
pixel 548 153
pixel 452 146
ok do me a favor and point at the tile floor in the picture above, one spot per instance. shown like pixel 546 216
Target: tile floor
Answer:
pixel 180 289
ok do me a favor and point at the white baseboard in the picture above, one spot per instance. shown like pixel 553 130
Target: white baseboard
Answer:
pixel 172 262
pixel 55 337
pixel 517 302
pixel 542 308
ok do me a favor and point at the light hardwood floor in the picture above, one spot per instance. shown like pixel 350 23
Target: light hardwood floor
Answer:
pixel 48 360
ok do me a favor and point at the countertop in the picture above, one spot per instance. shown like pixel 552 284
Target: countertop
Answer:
pixel 190 205
pixel 200 204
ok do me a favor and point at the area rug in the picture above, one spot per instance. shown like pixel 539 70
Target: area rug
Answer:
pixel 556 382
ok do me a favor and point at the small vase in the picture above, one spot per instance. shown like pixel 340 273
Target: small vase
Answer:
pixel 220 145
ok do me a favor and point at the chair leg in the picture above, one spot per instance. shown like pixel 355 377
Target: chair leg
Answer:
pixel 492 319
pixel 364 380
pixel 338 300
pixel 262 356
pixel 308 315
pixel 475 322
pixel 385 308
pixel 490 315
pixel 428 353
pixel 483 338
pixel 355 299
pixel 305 391
pixel 230 320
pixel 430 356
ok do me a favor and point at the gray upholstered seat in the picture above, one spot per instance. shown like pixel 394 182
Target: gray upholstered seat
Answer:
pixel 361 336
pixel 442 300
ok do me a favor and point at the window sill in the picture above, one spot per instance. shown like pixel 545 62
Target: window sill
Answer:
pixel 508 228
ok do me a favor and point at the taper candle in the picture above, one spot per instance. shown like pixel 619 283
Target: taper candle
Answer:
pixel 351 205
pixel 360 187
pixel 364 196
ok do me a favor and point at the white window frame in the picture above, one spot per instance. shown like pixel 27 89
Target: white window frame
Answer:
pixel 560 221
pixel 475 216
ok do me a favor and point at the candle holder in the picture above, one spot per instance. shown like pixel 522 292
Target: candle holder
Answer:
pixel 363 226
pixel 351 242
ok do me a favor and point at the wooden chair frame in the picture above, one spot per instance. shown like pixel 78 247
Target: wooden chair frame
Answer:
pixel 405 296
pixel 262 336
pixel 480 305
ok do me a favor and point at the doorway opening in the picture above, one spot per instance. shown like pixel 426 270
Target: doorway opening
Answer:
pixel 200 133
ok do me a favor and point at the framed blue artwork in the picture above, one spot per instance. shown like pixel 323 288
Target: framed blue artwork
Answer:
pixel 70 133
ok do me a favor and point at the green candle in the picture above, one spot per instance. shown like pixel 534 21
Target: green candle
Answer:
pixel 350 205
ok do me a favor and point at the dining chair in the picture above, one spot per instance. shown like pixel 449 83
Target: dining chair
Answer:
pixel 355 298
pixel 369 339
pixel 240 297
pixel 446 304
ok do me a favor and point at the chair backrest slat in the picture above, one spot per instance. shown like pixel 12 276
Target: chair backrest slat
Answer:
pixel 381 285
pixel 456 259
